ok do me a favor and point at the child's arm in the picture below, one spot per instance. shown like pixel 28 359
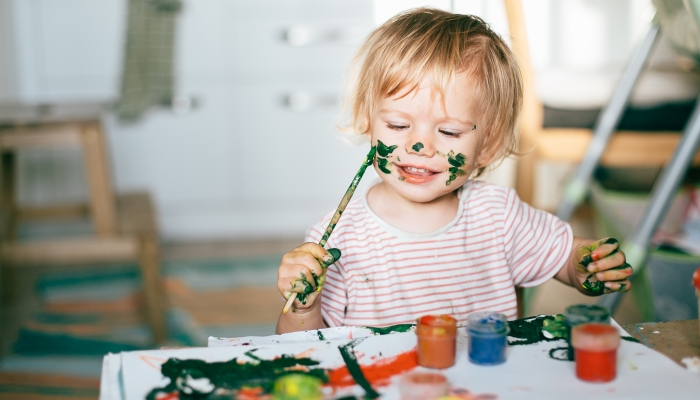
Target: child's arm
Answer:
pixel 596 267
pixel 300 271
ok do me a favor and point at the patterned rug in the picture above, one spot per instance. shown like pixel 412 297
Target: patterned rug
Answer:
pixel 84 313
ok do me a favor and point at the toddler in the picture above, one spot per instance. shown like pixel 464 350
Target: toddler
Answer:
pixel 439 95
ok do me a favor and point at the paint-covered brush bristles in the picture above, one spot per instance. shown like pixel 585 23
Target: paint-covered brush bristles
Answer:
pixel 336 217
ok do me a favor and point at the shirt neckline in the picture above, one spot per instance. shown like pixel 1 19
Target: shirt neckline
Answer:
pixel 462 194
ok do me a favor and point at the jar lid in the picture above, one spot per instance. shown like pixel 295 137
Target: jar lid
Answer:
pixel 423 385
pixel 487 322
pixel 436 325
pixel 696 279
pixel 586 313
pixel 595 337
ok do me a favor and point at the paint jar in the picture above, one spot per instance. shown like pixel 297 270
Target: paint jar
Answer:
pixel 297 387
pixel 486 338
pixel 423 386
pixel 696 283
pixel 596 351
pixel 437 341
pixel 583 314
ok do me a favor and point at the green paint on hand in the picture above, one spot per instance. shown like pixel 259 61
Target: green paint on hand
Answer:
pixel 595 287
pixel 417 147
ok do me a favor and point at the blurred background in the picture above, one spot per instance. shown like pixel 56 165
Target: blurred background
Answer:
pixel 159 156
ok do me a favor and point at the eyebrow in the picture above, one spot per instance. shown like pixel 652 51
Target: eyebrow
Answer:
pixel 405 115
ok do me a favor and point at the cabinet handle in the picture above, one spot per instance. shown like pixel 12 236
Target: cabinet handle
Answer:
pixel 302 101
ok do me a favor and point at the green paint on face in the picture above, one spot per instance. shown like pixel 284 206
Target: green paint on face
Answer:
pixel 456 162
pixel 401 178
pixel 398 158
pixel 474 128
pixel 383 163
pixel 384 150
pixel 417 147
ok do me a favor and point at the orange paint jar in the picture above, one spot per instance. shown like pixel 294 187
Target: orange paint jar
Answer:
pixel 596 351
pixel 437 341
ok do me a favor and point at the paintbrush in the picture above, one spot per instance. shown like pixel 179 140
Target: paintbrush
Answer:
pixel 336 217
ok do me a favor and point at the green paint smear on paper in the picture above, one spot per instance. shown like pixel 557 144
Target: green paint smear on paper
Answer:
pixel 348 353
pixel 320 335
pixel 417 147
pixel 529 330
pixel 230 375
pixel 391 329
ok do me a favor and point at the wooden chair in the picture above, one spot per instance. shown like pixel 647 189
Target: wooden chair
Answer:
pixel 625 148
pixel 124 226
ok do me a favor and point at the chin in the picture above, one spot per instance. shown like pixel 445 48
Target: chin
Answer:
pixel 423 193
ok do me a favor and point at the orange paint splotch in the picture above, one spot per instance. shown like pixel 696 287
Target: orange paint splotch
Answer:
pixel 377 373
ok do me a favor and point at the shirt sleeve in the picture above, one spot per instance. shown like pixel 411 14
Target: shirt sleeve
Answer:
pixel 334 297
pixel 537 243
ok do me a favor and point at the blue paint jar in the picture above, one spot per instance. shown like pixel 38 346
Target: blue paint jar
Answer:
pixel 486 338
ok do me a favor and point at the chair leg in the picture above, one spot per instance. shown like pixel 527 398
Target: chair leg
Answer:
pixel 153 289
pixel 102 208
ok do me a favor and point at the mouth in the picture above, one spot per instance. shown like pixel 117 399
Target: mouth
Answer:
pixel 416 174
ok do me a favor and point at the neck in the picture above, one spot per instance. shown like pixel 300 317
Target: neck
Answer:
pixel 411 216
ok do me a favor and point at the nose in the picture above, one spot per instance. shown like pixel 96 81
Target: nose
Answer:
pixel 421 144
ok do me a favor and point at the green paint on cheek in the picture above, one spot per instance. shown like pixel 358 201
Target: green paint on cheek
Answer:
pixel 456 162
pixel 417 147
pixel 384 150
pixel 383 163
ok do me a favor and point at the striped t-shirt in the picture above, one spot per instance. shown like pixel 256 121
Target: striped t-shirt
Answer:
pixel 387 276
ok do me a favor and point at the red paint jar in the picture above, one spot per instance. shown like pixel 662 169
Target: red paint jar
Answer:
pixel 437 342
pixel 596 351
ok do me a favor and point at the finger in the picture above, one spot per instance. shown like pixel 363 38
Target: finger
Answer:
pixel 619 286
pixel 615 274
pixel 325 257
pixel 611 261
pixel 297 259
pixel 305 300
pixel 597 250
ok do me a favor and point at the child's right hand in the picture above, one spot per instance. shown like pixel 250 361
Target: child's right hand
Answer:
pixel 303 271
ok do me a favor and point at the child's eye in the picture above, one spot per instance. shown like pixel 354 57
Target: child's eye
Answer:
pixel 396 127
pixel 450 133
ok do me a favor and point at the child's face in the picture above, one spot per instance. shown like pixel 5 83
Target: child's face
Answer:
pixel 423 150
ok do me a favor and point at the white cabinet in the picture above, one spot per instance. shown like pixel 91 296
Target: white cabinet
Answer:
pixel 259 155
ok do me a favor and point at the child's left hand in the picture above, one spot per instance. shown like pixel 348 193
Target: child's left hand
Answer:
pixel 601 267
